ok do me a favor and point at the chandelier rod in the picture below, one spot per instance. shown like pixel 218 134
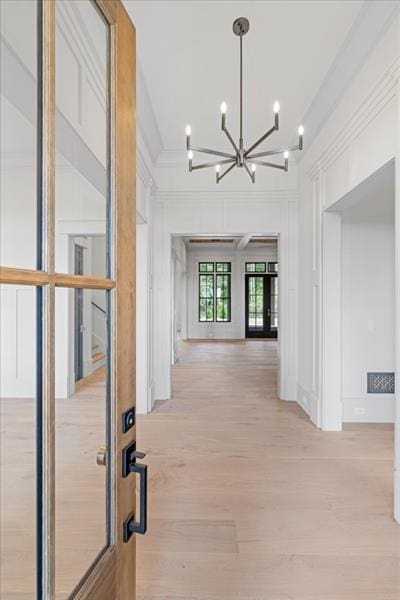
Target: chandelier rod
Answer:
pixel 241 90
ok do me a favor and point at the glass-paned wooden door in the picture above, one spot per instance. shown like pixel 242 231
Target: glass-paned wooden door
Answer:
pixel 261 303
pixel 67 301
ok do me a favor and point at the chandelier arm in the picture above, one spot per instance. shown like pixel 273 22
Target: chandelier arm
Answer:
pixel 259 141
pixel 271 152
pixel 251 175
pixel 213 152
pixel 268 164
pixel 219 177
pixel 230 138
pixel 213 164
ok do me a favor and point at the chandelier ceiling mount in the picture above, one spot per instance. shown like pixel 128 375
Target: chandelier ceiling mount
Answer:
pixel 241 157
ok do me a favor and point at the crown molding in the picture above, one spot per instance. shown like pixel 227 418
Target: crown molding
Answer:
pixel 190 196
pixel 372 22
pixel 383 92
pixel 147 124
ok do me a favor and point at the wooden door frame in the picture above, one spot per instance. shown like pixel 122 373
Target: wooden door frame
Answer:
pixel 113 575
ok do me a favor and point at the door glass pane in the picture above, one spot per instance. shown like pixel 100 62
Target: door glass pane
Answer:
pixel 81 427
pixel 274 302
pixel 82 123
pixel 18 442
pixel 255 303
pixel 18 126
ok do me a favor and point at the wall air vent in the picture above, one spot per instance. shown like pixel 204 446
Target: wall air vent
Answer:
pixel 380 383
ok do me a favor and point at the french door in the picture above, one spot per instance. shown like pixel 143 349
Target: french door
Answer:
pixel 261 306
pixel 68 454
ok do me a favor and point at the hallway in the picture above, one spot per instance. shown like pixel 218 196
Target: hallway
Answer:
pixel 248 501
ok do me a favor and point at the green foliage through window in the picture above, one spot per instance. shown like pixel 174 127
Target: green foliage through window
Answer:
pixel 214 292
pixel 206 297
pixel 206 267
pixel 223 267
pixel 257 267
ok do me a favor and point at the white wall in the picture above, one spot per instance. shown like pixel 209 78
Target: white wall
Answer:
pixel 144 280
pixel 235 329
pixel 179 294
pixel 359 135
pixel 368 297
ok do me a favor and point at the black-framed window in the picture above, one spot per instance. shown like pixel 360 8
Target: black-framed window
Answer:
pixel 256 267
pixel 272 267
pixel 206 267
pixel 214 292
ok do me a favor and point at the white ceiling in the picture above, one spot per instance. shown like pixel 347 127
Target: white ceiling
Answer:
pixel 190 60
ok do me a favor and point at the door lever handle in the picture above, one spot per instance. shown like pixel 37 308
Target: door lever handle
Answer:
pixel 129 465
pixel 137 454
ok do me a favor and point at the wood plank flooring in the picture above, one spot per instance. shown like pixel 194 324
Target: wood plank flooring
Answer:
pixel 80 489
pixel 248 501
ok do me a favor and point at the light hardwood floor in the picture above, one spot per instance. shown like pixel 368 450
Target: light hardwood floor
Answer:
pixel 80 489
pixel 249 501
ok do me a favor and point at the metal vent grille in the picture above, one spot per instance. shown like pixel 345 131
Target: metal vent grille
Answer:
pixel 380 383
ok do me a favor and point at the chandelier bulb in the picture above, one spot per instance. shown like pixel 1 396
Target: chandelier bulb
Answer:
pixel 253 167
pixel 188 130
pixel 224 108
pixel 301 130
pixel 276 107
pixel 218 168
pixel 286 155
pixel 190 155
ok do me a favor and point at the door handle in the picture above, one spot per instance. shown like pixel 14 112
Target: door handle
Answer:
pixel 129 465
pixel 269 312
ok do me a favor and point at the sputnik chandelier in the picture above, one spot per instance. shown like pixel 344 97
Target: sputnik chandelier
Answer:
pixel 241 157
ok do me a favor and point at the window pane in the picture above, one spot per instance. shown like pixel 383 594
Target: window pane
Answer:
pixel 259 282
pixel 202 310
pixel 210 310
pixel 206 297
pixel 18 442
pixel 18 152
pixel 81 430
pixel 260 267
pixel 272 267
pixel 223 267
pixel 250 267
pixel 82 178
pixel 207 267
pixel 223 310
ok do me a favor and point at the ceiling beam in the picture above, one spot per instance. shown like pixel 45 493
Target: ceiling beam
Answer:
pixel 243 242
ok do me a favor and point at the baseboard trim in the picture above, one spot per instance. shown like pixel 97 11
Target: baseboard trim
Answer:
pixel 374 408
